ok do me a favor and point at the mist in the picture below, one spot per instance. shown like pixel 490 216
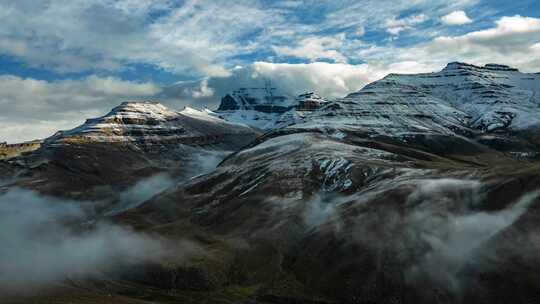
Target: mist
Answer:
pixel 436 232
pixel 47 240
pixel 204 162
pixel 199 164
pixel 43 242
pixel 453 231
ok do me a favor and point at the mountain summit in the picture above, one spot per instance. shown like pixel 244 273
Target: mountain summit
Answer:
pixel 151 122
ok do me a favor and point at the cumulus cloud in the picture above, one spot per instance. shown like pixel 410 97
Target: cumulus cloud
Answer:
pixel 512 41
pixel 36 108
pixel 456 18
pixel 316 48
pixel 329 80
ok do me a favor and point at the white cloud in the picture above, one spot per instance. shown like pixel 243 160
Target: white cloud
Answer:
pixel 40 250
pixel 512 41
pixel 456 18
pixel 203 91
pixel 396 26
pixel 35 108
pixel 316 48
pixel 331 80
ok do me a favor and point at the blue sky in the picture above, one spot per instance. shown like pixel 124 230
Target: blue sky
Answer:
pixel 70 59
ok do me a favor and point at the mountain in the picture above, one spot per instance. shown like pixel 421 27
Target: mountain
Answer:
pixel 415 189
pixel 460 97
pixel 149 123
pixel 264 109
pixel 133 141
pixel 481 103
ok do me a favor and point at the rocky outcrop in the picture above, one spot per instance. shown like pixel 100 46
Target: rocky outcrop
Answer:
pixel 13 150
pixel 310 102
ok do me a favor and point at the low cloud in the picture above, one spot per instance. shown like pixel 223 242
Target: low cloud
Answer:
pixel 329 80
pixel 45 241
pixel 323 210
pixel 198 164
pixel 141 192
pixel 439 232
pixel 446 222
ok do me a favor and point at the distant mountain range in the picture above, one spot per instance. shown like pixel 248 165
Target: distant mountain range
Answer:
pixel 416 189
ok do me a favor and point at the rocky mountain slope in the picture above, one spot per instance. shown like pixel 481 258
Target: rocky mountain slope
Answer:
pixel 415 189
pixel 461 100
pixel 133 141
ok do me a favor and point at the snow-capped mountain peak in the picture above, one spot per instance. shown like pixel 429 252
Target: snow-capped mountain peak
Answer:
pixel 149 122
pixel 262 109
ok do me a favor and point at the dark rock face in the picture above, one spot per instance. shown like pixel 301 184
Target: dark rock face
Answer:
pixel 257 99
pixel 228 103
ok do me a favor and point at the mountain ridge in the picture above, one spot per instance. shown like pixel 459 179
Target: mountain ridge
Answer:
pixel 372 197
